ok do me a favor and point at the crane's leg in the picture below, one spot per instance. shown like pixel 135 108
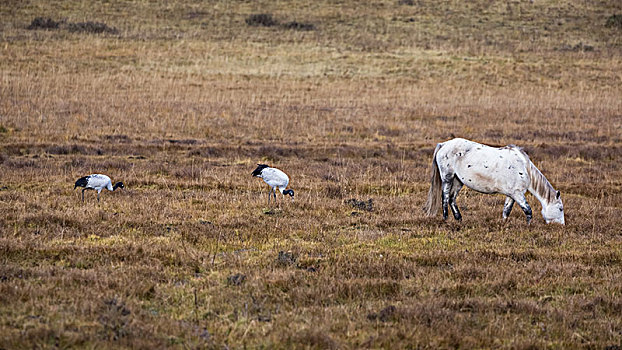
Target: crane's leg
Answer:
pixel 97 196
pixel 84 189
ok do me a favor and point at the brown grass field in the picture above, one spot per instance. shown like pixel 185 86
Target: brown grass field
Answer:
pixel 181 99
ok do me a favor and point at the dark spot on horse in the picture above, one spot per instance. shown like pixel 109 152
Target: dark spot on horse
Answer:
pixel 469 166
pixel 500 156
pixel 521 174
pixel 469 180
pixel 486 166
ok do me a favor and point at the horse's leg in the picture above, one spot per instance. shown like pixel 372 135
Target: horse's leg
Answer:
pixel 446 189
pixel 522 202
pixel 455 188
pixel 507 206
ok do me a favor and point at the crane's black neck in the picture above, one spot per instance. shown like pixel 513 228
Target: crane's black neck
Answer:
pixel 118 185
pixel 290 192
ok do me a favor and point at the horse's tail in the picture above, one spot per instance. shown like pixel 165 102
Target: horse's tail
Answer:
pixel 434 194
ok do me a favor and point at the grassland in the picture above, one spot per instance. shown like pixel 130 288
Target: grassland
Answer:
pixel 180 100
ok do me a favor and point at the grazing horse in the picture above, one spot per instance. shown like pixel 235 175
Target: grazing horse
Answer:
pixel 486 169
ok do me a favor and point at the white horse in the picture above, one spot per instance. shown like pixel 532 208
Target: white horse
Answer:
pixel 486 169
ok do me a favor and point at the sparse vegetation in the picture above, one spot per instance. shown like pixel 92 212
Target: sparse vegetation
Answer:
pixel 186 98
pixel 266 20
pixel 614 21
pixel 261 19
pixel 43 23
pixel 80 27
pixel 299 26
pixel 91 27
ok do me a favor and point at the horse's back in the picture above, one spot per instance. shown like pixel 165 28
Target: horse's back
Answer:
pixel 484 168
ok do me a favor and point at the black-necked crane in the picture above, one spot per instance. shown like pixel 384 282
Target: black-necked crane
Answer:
pixel 275 178
pixel 96 182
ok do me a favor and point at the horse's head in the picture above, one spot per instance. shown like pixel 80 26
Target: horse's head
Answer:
pixel 554 211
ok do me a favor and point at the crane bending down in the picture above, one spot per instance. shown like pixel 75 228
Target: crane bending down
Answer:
pixel 275 178
pixel 96 182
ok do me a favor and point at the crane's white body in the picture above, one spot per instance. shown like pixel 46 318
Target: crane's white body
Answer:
pixel 98 182
pixel 275 178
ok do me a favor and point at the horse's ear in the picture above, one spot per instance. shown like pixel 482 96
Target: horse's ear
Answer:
pixel 557 195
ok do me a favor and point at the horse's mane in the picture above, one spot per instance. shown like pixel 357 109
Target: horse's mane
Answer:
pixel 539 182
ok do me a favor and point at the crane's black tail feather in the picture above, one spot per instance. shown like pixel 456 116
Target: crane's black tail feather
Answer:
pixel 260 167
pixel 82 182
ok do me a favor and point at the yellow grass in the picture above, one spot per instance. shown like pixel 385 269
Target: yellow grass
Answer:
pixel 184 100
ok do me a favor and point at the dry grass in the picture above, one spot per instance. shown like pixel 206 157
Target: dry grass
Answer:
pixel 184 99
